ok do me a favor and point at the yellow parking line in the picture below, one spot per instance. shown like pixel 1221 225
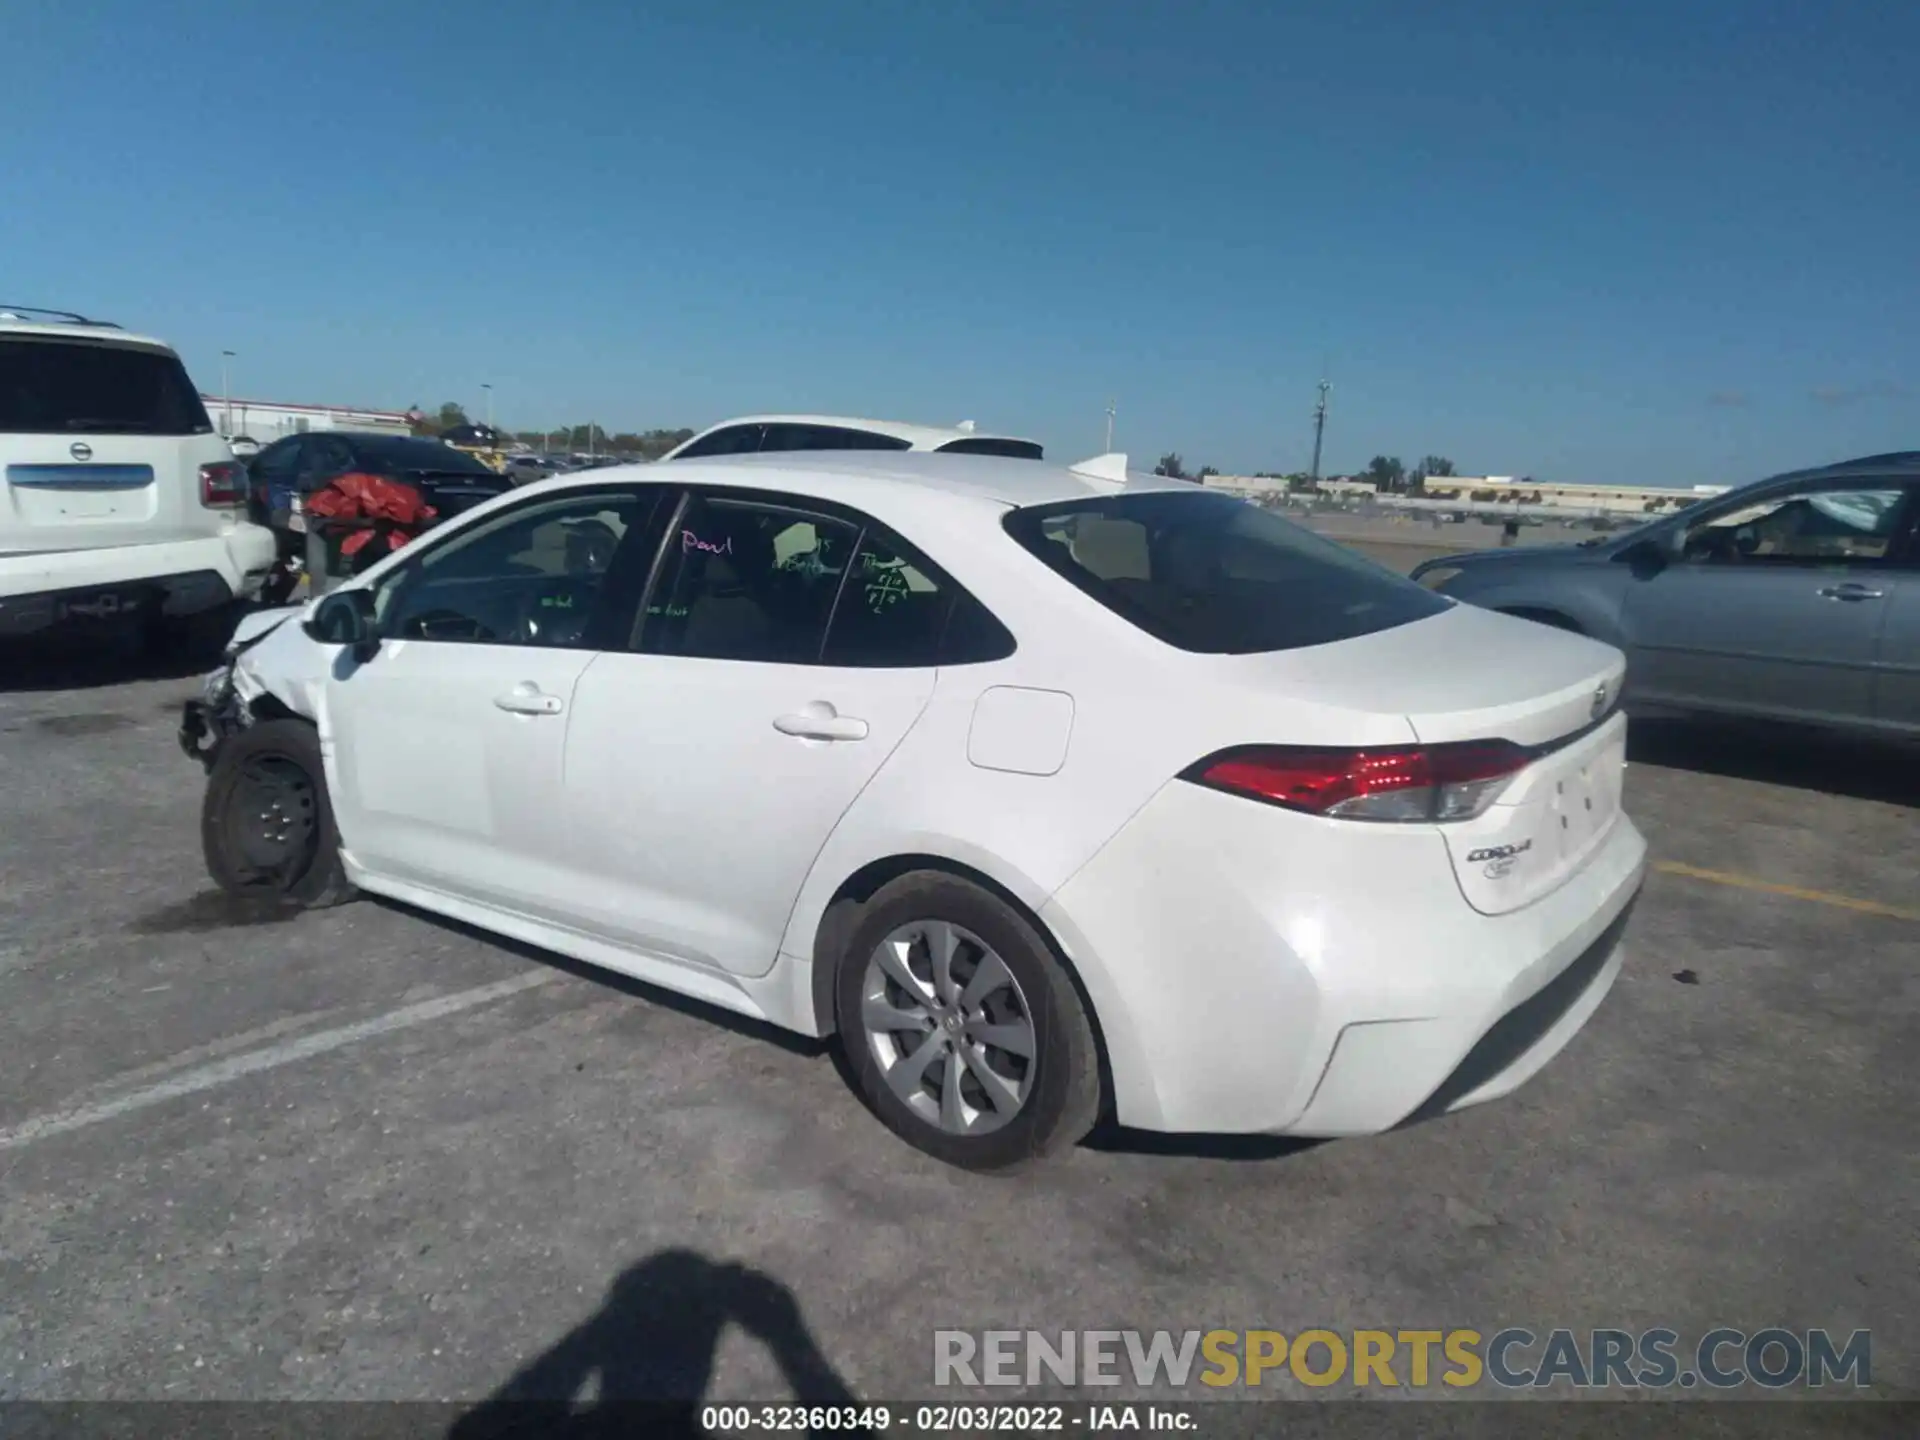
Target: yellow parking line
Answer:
pixel 1792 892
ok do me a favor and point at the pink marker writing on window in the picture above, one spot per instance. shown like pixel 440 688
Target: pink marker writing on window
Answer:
pixel 691 541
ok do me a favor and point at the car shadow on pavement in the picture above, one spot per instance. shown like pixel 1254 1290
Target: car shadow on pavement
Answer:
pixel 89 664
pixel 1804 759
pixel 1118 1140
pixel 648 1355
pixel 614 980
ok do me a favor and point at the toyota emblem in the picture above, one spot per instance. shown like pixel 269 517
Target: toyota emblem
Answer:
pixel 80 450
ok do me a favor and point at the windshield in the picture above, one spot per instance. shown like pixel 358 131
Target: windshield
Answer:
pixel 74 387
pixel 405 452
pixel 1213 574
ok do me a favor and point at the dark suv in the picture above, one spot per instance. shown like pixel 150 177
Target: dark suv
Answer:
pixel 451 481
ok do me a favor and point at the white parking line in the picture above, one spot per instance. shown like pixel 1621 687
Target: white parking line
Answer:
pixel 271 1057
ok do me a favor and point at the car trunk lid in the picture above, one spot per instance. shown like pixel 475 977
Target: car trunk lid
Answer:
pixel 1472 675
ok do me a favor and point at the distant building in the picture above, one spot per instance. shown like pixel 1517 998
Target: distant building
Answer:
pixel 1493 490
pixel 266 420
pixel 1507 490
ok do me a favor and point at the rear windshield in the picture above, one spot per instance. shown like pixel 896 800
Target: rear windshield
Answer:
pixel 403 452
pixel 68 387
pixel 1209 573
pixel 1011 449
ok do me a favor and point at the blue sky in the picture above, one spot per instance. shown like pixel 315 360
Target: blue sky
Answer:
pixel 1666 243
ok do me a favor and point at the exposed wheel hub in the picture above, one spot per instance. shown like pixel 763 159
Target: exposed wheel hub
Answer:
pixel 274 819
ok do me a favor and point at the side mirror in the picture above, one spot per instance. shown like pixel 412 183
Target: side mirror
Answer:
pixel 1651 554
pixel 346 618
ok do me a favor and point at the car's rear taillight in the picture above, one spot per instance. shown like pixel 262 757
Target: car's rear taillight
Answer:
pixel 223 483
pixel 1410 784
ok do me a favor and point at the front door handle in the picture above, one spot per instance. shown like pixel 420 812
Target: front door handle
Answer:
pixel 819 722
pixel 526 698
pixel 1852 590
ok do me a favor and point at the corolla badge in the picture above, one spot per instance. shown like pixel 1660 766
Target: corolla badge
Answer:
pixel 1499 859
pixel 80 451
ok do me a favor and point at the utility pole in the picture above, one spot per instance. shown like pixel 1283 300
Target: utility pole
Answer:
pixel 1319 429
pixel 489 390
pixel 1111 404
pixel 226 393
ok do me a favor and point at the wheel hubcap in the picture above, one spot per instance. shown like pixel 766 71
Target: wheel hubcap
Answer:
pixel 949 1027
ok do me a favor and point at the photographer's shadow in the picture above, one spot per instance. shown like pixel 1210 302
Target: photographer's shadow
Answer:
pixel 649 1353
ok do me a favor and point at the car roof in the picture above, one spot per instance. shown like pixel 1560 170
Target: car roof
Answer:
pixel 11 324
pixel 921 437
pixel 1897 461
pixel 866 478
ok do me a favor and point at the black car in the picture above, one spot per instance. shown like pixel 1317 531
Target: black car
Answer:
pixel 450 479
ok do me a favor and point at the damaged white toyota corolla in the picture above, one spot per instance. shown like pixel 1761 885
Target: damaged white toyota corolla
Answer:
pixel 1054 793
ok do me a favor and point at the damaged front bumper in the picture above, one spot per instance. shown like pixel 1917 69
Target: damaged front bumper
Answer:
pixel 223 709
pixel 219 713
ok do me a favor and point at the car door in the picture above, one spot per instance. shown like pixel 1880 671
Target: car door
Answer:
pixel 1774 605
pixel 1897 665
pixel 448 743
pixel 706 768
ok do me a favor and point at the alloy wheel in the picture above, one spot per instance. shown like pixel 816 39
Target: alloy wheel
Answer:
pixel 949 1027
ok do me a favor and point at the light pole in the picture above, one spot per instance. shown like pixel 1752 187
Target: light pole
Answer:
pixel 1111 404
pixel 489 390
pixel 226 393
pixel 1319 428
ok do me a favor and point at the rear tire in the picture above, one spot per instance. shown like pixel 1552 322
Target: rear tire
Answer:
pixel 266 824
pixel 940 988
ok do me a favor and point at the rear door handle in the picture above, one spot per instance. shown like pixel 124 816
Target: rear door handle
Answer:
pixel 526 698
pixel 820 723
pixel 1852 590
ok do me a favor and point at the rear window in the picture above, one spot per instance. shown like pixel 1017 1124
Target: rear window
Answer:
pixel 1011 449
pixel 69 387
pixel 1216 575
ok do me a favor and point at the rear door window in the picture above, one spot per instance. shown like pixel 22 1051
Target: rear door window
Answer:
pixel 828 437
pixel 745 580
pixel 69 387
pixel 1213 574
pixel 1010 449
pixel 731 440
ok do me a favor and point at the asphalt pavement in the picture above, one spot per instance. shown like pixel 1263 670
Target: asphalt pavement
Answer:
pixel 368 1154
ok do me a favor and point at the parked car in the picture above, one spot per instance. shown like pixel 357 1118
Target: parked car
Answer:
pixel 1795 598
pixel 1051 792
pixel 525 469
pixel 752 434
pixel 122 510
pixel 288 470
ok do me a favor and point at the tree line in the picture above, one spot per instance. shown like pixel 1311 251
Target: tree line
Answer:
pixel 1385 472
pixel 569 439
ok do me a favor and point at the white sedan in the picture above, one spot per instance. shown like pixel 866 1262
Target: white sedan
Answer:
pixel 1053 793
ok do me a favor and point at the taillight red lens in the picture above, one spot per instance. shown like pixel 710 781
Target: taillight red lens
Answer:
pixel 1404 783
pixel 223 483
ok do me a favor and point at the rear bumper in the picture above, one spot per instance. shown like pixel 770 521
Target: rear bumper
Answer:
pixel 1255 971
pixel 175 577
